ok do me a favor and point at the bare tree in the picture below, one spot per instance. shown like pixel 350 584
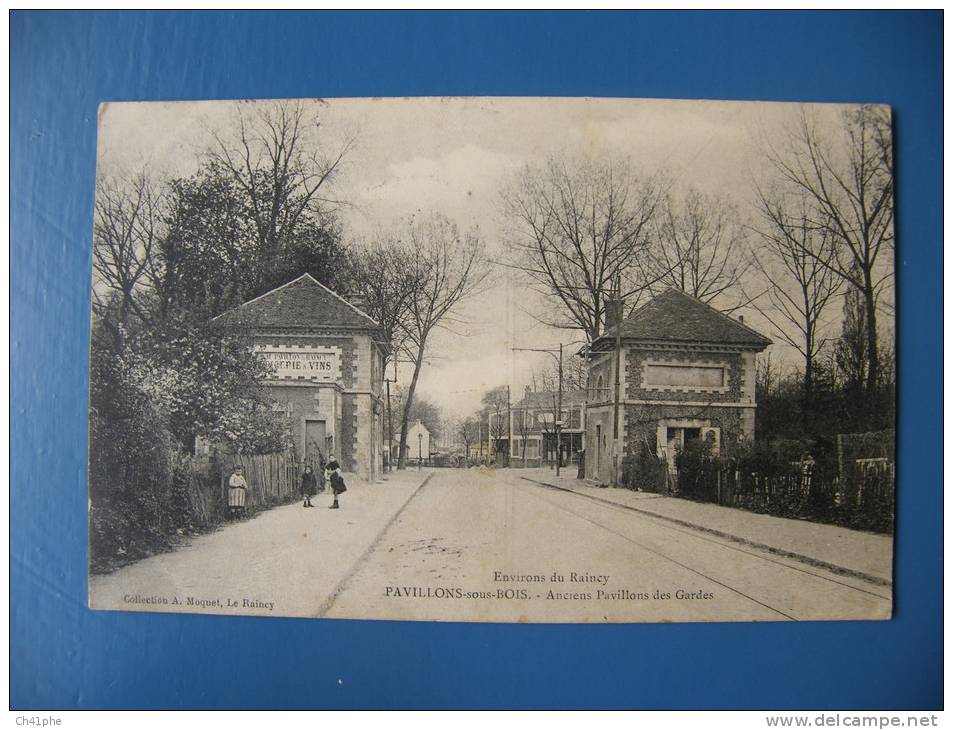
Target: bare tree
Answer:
pixel 849 181
pixel 575 374
pixel 797 260
pixel 388 285
pixel 768 375
pixel 277 157
pixel 851 351
pixel 546 382
pixel 421 409
pixel 448 267
pixel 257 213
pixel 701 248
pixel 523 421
pixel 495 409
pixel 127 226
pixel 573 226
pixel 468 431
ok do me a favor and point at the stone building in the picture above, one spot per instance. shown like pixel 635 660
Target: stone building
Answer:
pixel 328 361
pixel 687 372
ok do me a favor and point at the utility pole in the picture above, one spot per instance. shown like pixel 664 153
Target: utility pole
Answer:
pixel 557 419
pixel 390 430
pixel 390 416
pixel 509 422
pixel 617 306
pixel 559 414
pixel 390 421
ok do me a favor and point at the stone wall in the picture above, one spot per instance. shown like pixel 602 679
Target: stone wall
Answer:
pixel 365 433
pixel 349 416
pixel 301 402
pixel 601 366
pixel 344 444
pixel 637 360
pixel 599 455
pixel 641 423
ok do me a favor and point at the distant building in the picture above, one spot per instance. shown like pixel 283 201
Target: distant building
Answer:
pixel 418 442
pixel 532 421
pixel 328 370
pixel 687 372
pixel 534 424
pixel 446 441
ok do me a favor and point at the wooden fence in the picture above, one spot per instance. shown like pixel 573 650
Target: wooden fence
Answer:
pixel 862 498
pixel 272 478
pixel 186 497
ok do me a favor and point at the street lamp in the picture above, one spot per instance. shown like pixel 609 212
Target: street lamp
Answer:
pixel 420 442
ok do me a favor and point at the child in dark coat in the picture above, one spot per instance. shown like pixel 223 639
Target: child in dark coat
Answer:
pixel 333 471
pixel 309 485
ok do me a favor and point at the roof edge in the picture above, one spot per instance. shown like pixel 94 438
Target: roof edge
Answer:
pixel 757 346
pixel 305 275
pixel 611 334
pixel 345 301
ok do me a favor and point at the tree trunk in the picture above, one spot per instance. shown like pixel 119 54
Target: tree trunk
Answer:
pixel 408 403
pixel 873 365
pixel 809 328
pixel 808 414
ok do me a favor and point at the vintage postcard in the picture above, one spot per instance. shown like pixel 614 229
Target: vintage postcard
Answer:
pixel 493 359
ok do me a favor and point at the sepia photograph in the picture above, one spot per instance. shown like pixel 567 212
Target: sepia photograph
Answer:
pixel 486 359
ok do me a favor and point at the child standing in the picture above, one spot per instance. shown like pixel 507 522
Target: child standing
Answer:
pixel 309 485
pixel 333 472
pixel 237 488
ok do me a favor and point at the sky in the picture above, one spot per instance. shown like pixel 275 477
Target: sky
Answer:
pixel 453 155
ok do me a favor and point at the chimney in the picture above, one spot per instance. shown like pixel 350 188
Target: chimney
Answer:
pixel 741 318
pixel 358 300
pixel 613 313
pixel 527 392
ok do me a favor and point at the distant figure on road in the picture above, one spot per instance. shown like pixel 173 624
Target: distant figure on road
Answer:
pixel 309 485
pixel 333 472
pixel 237 488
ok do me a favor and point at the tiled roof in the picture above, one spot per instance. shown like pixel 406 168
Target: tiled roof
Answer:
pixel 304 303
pixel 674 316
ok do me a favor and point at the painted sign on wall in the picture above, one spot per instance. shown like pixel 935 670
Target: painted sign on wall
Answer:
pixel 318 364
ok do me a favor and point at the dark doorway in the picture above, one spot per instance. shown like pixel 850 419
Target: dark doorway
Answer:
pixel 598 448
pixel 315 433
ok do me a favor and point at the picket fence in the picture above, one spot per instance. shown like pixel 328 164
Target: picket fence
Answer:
pixel 272 479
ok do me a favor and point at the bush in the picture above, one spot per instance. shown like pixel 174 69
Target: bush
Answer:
pixel 698 471
pixel 778 479
pixel 146 489
pixel 645 471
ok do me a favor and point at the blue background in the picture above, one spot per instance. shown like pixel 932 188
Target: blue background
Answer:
pixel 65 656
